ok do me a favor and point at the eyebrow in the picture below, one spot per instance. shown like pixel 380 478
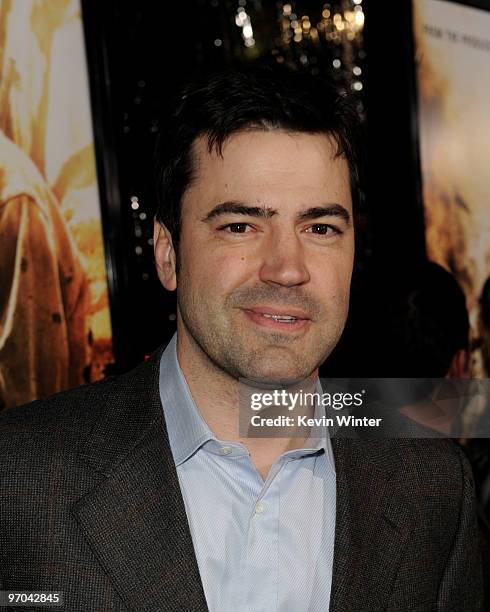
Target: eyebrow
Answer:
pixel 240 208
pixel 329 210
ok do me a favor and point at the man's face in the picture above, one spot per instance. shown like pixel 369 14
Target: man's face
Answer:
pixel 266 254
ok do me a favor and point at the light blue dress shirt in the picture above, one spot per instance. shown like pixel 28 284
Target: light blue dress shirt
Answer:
pixel 260 546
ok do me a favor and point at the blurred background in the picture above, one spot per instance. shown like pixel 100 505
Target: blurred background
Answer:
pixel 84 88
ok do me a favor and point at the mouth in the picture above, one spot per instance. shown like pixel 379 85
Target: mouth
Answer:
pixel 278 318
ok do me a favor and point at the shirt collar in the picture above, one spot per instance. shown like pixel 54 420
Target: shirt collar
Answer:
pixel 187 429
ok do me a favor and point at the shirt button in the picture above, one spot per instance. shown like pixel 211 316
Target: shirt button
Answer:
pixel 259 508
pixel 225 450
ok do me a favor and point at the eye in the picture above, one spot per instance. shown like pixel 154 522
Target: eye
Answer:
pixel 236 228
pixel 323 229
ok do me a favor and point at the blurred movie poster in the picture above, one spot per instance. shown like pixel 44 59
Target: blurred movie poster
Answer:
pixel 55 329
pixel 453 82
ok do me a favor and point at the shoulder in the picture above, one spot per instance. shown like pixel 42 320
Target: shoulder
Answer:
pixel 439 463
pixel 421 468
pixel 68 410
pixel 430 460
pixel 441 471
pixel 436 476
pixel 50 430
pixel 63 421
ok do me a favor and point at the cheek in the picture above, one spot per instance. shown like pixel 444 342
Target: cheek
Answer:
pixel 216 271
pixel 332 279
pixel 232 270
pixel 343 268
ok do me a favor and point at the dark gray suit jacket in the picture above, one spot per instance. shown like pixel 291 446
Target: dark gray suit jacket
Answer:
pixel 90 505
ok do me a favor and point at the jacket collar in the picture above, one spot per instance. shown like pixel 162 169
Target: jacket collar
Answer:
pixel 134 519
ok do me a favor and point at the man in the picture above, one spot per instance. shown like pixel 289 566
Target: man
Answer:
pixel 140 492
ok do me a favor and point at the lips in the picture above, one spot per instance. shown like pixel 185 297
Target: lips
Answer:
pixel 278 318
pixel 284 318
pixel 271 311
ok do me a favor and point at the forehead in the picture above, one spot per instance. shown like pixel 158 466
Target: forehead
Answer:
pixel 270 166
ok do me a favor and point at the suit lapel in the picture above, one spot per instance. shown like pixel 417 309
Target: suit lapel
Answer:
pixel 134 519
pixel 373 523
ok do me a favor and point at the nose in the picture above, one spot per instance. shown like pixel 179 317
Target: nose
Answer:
pixel 283 261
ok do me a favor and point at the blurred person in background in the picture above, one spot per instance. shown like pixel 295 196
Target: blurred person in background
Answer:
pixel 478 449
pixel 427 336
pixel 484 325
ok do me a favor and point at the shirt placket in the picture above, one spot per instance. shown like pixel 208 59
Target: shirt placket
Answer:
pixel 260 560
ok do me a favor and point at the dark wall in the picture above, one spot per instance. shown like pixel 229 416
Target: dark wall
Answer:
pixel 393 191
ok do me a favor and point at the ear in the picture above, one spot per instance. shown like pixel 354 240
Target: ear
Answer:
pixel 165 257
pixel 459 367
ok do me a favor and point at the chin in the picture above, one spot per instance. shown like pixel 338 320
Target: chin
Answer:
pixel 280 371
